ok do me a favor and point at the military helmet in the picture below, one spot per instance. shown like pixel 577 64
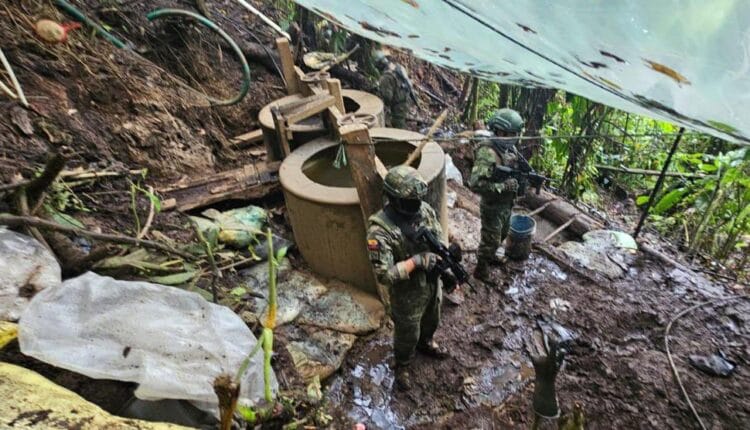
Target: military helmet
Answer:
pixel 404 182
pixel 506 120
pixel 381 59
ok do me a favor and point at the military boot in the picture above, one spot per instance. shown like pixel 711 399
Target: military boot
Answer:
pixel 403 378
pixel 482 271
pixel 434 350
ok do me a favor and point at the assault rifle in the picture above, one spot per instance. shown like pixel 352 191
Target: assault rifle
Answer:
pixel 450 258
pixel 523 176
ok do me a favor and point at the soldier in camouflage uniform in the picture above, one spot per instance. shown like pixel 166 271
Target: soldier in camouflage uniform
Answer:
pixel 406 267
pixel 395 90
pixel 497 194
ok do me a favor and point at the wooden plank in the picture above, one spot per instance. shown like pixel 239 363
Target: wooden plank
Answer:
pixel 334 88
pixel 247 139
pixel 251 181
pixel 360 154
pixel 281 130
pixel 287 65
pixel 307 110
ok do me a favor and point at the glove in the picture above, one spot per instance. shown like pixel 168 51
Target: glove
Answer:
pixel 425 261
pixel 510 185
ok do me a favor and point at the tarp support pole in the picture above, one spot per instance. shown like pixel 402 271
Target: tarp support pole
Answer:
pixel 659 183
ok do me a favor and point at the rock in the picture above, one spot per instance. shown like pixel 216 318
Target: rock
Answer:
pixel 315 351
pixel 28 268
pixel 345 309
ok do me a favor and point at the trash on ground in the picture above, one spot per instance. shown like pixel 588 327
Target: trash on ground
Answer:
pixel 295 291
pixel 238 228
pixel 32 401
pixel 316 351
pixel 714 365
pixel 29 268
pixel 604 251
pixel 345 309
pixel 451 171
pixel 171 342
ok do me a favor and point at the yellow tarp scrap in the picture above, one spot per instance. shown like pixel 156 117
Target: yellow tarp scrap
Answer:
pixel 8 332
pixel 31 401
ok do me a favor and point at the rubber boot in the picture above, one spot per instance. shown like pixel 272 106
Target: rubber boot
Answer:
pixel 403 378
pixel 482 272
pixel 434 350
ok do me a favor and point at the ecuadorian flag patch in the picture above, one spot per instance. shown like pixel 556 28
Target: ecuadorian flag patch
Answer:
pixel 373 245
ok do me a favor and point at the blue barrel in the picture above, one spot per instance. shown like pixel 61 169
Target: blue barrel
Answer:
pixel 522 228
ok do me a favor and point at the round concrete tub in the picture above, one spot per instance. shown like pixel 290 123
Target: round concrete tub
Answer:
pixel 323 205
pixel 358 102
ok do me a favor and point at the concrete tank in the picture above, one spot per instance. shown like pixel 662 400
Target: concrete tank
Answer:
pixel 323 205
pixel 357 102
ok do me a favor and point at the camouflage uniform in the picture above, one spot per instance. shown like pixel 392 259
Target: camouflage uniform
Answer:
pixel 497 197
pixel 415 302
pixel 395 94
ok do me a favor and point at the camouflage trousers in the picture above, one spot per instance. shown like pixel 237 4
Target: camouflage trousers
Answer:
pixel 415 310
pixel 397 117
pixel 495 225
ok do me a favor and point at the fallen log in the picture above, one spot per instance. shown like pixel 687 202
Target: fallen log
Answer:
pixel 252 181
pixel 559 211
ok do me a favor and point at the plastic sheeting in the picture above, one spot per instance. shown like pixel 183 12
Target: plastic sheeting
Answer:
pixel 171 342
pixel 684 61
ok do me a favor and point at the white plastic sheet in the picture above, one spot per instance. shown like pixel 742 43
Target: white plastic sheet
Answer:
pixel 171 342
pixel 26 267
pixel 685 61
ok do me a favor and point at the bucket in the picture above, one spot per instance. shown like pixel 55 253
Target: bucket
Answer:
pixel 522 228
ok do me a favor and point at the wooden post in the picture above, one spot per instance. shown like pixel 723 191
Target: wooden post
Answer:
pixel 281 131
pixel 287 65
pixel 334 87
pixel 360 153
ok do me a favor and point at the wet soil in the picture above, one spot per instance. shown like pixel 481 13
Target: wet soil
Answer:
pixel 616 368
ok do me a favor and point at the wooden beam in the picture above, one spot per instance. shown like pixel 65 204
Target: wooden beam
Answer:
pixel 287 65
pixel 281 131
pixel 360 153
pixel 334 88
pixel 252 181
pixel 247 139
pixel 646 172
pixel 315 106
pixel 558 230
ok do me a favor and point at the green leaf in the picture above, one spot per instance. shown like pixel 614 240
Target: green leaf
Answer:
pixel 176 279
pixel 281 253
pixel 669 200
pixel 63 218
pixel 238 291
pixel 641 200
pixel 248 414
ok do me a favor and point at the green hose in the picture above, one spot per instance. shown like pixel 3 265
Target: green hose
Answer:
pixel 79 16
pixel 159 13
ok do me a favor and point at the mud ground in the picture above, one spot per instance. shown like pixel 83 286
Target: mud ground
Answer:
pixel 617 367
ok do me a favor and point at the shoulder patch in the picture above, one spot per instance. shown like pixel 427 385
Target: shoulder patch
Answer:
pixel 373 245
